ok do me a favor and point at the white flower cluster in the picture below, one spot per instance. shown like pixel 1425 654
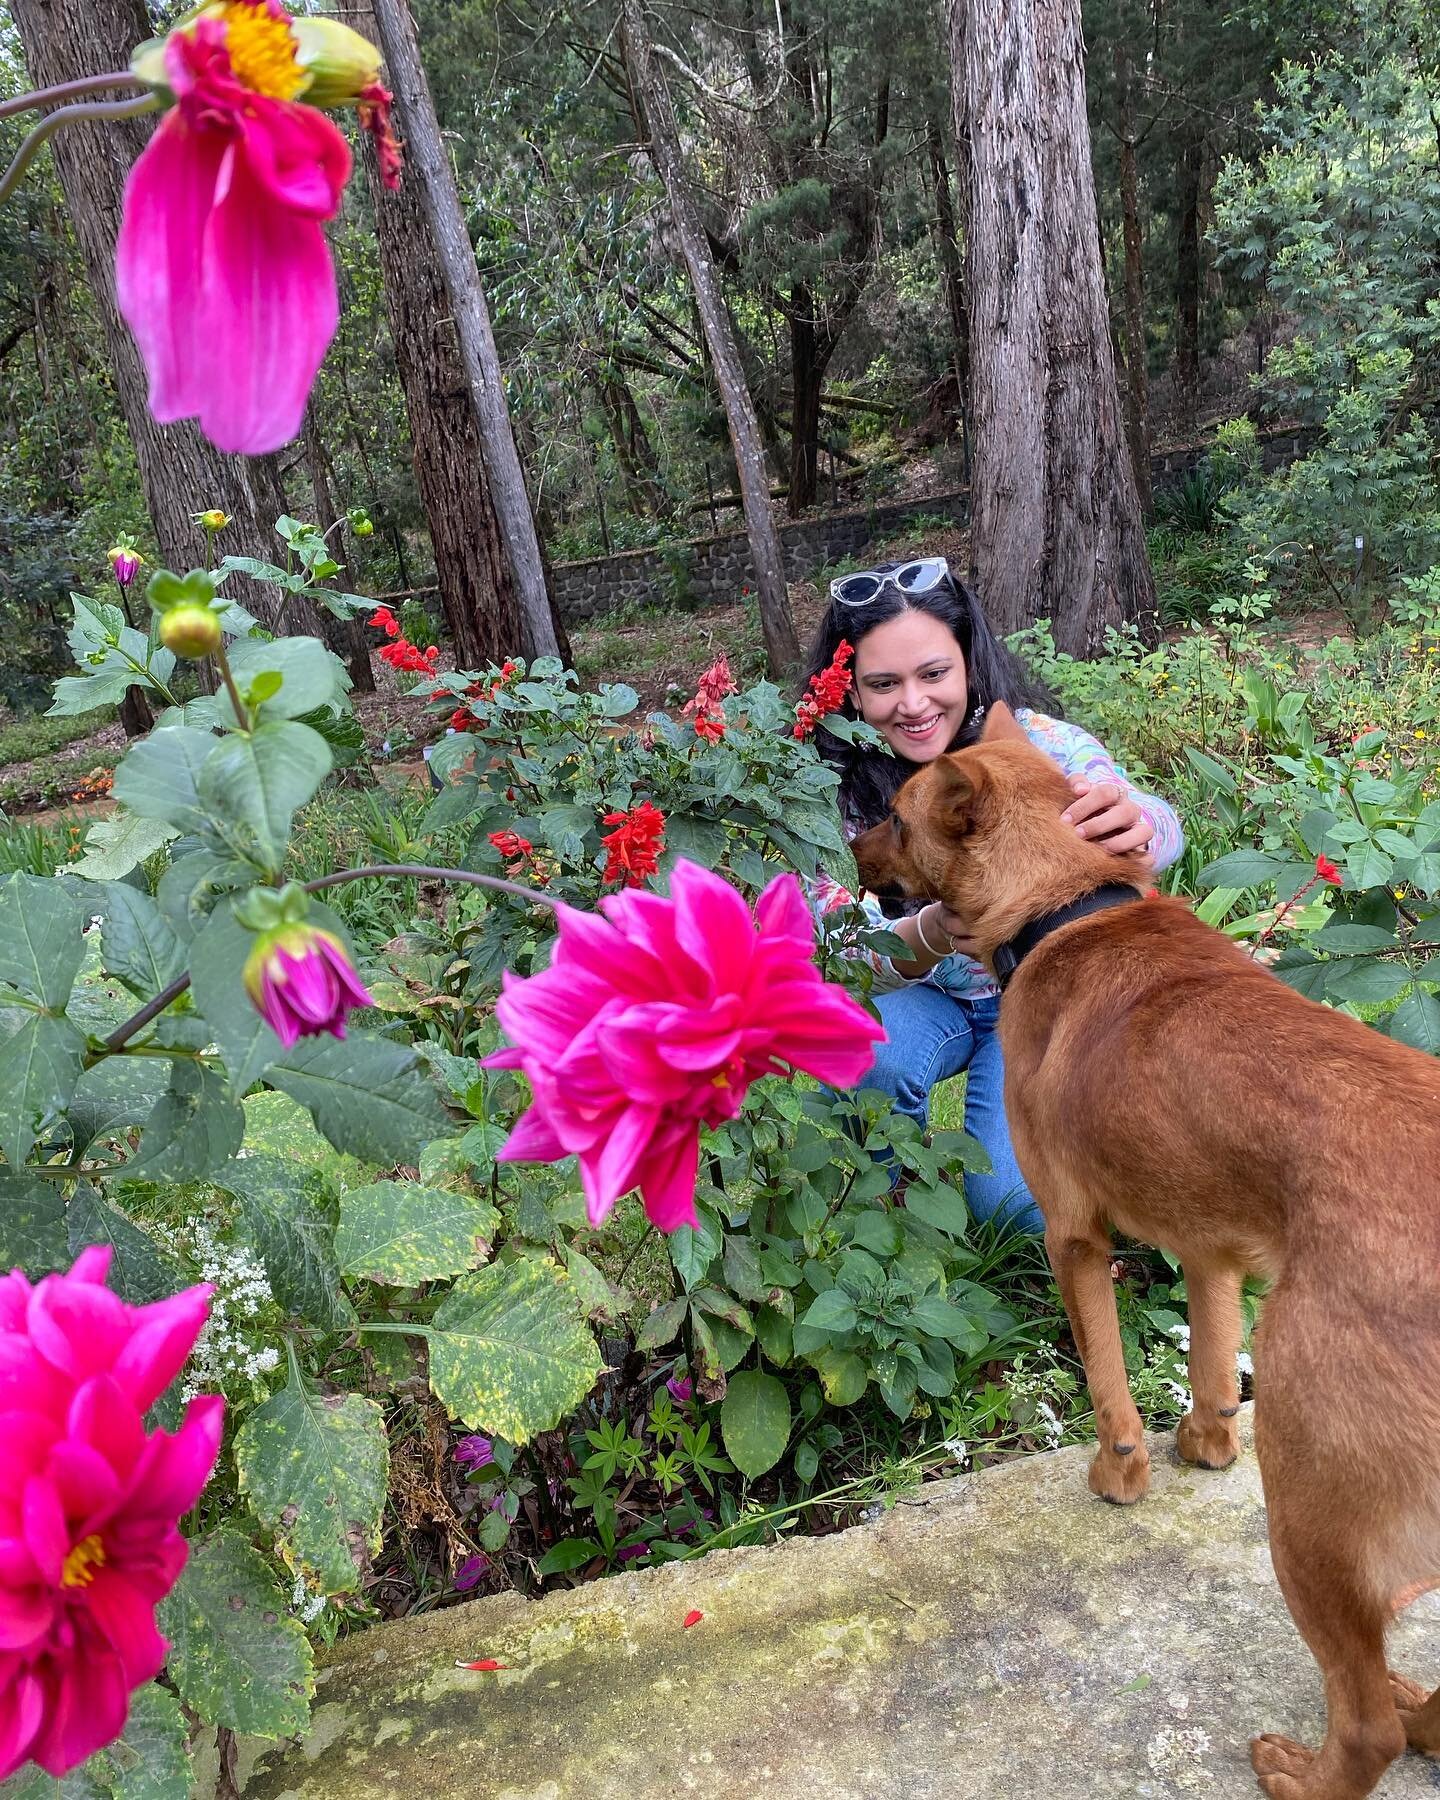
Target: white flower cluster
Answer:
pixel 306 1606
pixel 230 1349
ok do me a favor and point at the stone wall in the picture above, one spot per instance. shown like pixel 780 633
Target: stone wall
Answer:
pixel 711 571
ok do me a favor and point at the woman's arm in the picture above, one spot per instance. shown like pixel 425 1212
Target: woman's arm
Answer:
pixel 1108 806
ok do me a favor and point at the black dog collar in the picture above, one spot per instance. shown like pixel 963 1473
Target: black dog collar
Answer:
pixel 1009 956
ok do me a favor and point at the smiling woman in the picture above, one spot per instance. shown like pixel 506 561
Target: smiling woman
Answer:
pixel 927 668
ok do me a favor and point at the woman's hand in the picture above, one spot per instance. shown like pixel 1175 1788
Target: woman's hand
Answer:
pixel 1104 814
pixel 939 922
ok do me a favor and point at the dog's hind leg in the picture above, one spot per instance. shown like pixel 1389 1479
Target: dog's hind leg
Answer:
pixel 1121 1469
pixel 1319 1562
pixel 1419 1714
pixel 1208 1434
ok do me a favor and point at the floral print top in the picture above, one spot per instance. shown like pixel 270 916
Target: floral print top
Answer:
pixel 1077 753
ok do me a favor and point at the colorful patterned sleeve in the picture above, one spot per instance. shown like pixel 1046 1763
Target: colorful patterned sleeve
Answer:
pixel 1080 754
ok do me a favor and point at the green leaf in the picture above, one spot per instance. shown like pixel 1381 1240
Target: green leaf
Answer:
pixel 939 1318
pixel 195 1127
pixel 114 846
pixel 236 1656
pixel 293 1239
pixel 1416 1021
pixel 830 1311
pixel 138 945
pixel 742 1267
pixel 370 1097
pixel 1346 937
pixel 616 699
pixel 314 1468
pixel 32 1225
pixel 941 1206
pixel 1242 869
pixel 158 776
pixel 509 1352
pixel 692 1251
pixel 217 960
pixel 1303 971
pixel 1367 982
pixel 1369 866
pixel 661 1326
pixel 41 946
pixel 755 1421
pixel 252 784
pixel 568 1554
pixel 310 676
pixel 113 1096
pixel 140 1271
pixel 842 1374
pixel 402 1233
pixel 39 1067
pixel 876 1231
pixel 775 1334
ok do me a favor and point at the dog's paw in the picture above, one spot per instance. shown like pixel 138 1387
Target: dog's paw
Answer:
pixel 1282 1766
pixel 1410 1698
pixel 1122 1480
pixel 1208 1444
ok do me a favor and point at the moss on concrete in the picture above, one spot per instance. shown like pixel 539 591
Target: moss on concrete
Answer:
pixel 1003 1634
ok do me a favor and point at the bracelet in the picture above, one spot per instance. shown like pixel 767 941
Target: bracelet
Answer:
pixel 920 933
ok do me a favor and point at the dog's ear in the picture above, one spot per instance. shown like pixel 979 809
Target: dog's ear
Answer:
pixel 957 791
pixel 1001 724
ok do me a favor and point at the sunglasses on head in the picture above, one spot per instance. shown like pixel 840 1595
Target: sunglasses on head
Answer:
pixel 911 578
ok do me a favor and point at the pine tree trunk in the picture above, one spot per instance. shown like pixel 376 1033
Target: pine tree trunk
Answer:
pixel 346 637
pixel 947 251
pixel 431 180
pixel 1056 526
pixel 1137 383
pixel 656 119
pixel 808 358
pixel 180 472
pixel 477 589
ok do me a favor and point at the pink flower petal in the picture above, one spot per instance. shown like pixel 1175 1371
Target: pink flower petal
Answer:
pixel 22 1708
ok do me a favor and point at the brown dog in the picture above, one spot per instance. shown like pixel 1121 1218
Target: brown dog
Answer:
pixel 1159 1081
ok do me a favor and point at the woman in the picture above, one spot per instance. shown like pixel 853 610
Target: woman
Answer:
pixel 926 667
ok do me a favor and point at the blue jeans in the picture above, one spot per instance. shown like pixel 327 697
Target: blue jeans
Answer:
pixel 930 1036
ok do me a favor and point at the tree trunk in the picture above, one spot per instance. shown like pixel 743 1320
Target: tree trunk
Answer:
pixel 1056 530
pixel 1187 281
pixel 655 118
pixel 477 588
pixel 346 637
pixel 947 252
pixel 180 472
pixel 633 449
pixel 808 358
pixel 429 174
pixel 1137 384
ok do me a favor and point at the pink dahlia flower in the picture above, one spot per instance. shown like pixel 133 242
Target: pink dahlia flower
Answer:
pixel 302 982
pixel 88 1503
pixel 655 1019
pixel 222 270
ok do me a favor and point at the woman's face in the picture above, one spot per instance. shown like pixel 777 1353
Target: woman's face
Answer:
pixel 910 684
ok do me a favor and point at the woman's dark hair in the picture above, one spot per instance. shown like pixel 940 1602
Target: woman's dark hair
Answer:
pixel 869 779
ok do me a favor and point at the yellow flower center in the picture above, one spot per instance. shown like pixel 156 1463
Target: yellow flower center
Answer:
pixel 262 49
pixel 82 1562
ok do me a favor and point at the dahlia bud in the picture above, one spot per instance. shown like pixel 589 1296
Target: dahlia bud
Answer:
pixel 214 520
pixel 339 62
pixel 125 564
pixel 301 982
pixel 190 631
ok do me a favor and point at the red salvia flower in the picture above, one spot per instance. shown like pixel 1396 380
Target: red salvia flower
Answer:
pixel 633 848
pixel 1327 871
pixel 714 685
pixel 384 620
pixel 827 691
pixel 710 727
pixel 511 845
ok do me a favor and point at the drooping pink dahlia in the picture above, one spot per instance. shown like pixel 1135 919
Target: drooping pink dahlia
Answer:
pixel 302 982
pixel 654 1020
pixel 222 269
pixel 89 1503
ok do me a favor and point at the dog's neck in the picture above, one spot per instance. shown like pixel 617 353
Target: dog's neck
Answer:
pixel 1006 958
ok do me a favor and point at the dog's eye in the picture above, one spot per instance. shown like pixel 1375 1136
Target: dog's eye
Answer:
pixel 897 826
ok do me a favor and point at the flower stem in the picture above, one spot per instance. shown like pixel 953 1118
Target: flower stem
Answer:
pixel 222 663
pixel 68 90
pixel 69 115
pixel 469 877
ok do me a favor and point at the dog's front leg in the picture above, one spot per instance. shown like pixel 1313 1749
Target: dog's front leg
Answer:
pixel 1208 1434
pixel 1121 1469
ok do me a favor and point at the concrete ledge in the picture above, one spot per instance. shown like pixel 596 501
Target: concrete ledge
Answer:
pixel 1002 1636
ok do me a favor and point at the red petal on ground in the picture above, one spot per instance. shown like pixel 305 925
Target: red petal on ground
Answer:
pixel 693 1618
pixel 486 1663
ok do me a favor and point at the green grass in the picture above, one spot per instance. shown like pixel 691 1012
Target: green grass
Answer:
pixel 22 740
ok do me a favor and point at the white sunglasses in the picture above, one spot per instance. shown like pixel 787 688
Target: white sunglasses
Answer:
pixel 918 577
